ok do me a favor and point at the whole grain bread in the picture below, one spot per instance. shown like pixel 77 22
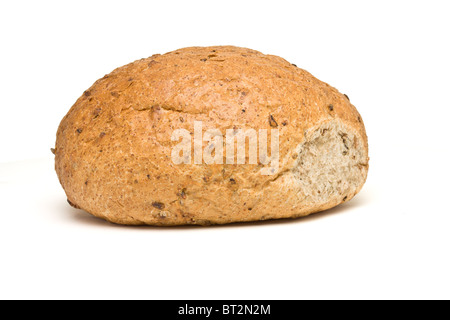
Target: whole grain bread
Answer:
pixel 114 147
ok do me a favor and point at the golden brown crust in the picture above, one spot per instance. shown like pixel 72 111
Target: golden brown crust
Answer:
pixel 113 148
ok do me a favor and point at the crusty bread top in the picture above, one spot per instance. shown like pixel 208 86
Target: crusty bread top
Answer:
pixel 113 147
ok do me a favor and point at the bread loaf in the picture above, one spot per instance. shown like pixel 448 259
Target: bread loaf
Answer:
pixel 119 154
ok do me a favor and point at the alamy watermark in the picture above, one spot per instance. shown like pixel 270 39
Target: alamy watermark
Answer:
pixel 208 147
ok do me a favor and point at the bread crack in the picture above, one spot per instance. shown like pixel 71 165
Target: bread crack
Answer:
pixel 158 107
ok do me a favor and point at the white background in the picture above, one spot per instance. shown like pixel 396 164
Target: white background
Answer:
pixel 390 242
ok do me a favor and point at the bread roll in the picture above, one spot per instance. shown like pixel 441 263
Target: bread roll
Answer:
pixel 117 150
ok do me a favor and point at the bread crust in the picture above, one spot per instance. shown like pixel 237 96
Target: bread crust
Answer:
pixel 113 148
